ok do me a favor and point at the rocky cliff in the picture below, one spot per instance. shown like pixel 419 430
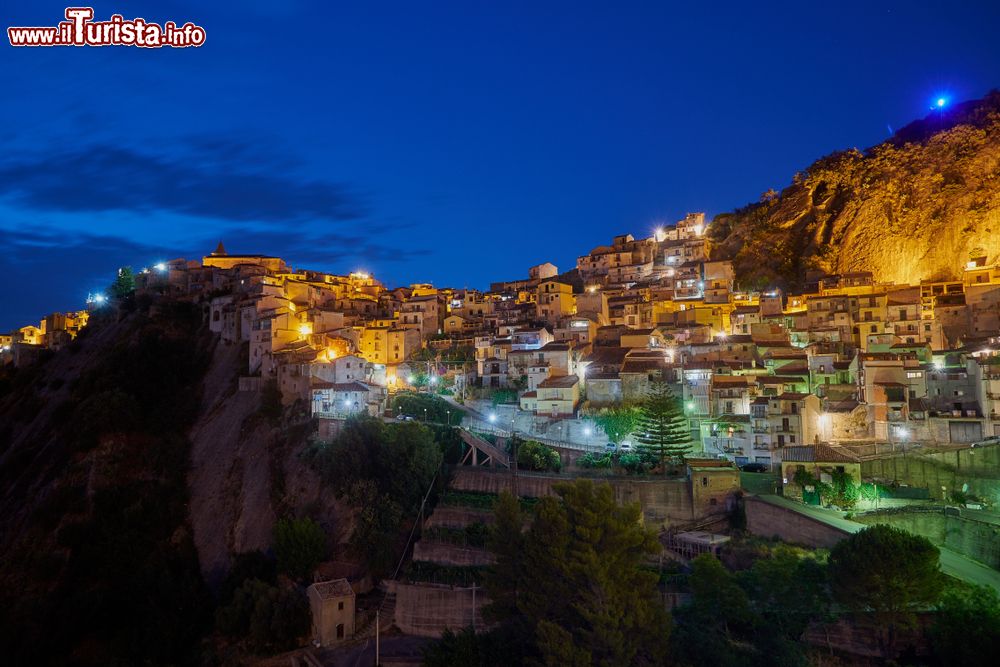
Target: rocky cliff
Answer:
pixel 917 206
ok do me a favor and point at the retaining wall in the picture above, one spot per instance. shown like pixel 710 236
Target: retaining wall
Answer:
pixel 663 501
pixel 768 520
pixel 975 539
pixel 426 610
pixel 450 554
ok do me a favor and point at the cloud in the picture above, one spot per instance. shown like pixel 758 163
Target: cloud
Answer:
pixel 211 178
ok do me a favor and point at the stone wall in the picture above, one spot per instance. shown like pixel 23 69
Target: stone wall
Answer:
pixel 457 517
pixel 663 501
pixel 450 554
pixel 977 467
pixel 426 610
pixel 768 520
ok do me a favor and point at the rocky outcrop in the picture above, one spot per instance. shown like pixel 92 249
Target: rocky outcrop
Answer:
pixel 918 206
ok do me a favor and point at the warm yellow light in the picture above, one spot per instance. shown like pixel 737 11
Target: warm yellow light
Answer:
pixel 291 306
pixel 391 379
pixel 305 329
pixel 970 265
pixel 698 229
pixel 331 354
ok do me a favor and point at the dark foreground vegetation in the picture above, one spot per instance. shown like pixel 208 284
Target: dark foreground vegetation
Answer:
pixel 577 588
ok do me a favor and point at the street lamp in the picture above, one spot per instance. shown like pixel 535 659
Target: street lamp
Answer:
pixel 425 415
pixel 448 412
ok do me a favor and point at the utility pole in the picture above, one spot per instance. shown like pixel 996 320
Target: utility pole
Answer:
pixel 473 607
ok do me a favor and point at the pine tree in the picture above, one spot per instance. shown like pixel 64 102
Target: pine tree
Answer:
pixel 663 428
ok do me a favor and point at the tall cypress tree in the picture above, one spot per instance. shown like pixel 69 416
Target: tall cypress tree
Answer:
pixel 663 429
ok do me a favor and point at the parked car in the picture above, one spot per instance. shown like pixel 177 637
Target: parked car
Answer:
pixel 404 418
pixel 754 467
pixel 625 446
pixel 610 447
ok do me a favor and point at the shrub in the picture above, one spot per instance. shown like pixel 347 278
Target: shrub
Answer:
pixel 532 455
pixel 299 545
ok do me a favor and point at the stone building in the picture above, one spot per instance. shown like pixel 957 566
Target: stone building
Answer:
pixel 332 607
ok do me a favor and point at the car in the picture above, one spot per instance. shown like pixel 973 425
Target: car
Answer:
pixel 625 446
pixel 404 418
pixel 754 467
pixel 610 447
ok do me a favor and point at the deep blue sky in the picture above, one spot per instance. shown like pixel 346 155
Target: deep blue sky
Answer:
pixel 449 142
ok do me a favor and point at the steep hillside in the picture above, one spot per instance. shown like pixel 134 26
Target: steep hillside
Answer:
pixel 98 564
pixel 131 471
pixel 915 207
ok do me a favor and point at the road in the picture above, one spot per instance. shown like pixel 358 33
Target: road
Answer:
pixel 952 562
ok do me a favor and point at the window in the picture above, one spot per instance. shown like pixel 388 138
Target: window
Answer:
pixel 340 631
pixel 340 606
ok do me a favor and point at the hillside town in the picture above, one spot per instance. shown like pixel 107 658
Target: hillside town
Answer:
pixel 849 361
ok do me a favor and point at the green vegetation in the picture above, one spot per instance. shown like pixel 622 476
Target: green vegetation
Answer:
pixel 108 559
pixel 453 575
pixel 481 501
pixel 473 535
pixel 618 422
pixel 575 580
pixel 384 470
pixel 966 629
pixel 888 572
pixel 267 617
pixel 533 455
pixel 438 410
pixel 124 283
pixel 663 428
pixel 299 546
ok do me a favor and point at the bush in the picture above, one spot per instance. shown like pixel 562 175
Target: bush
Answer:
pixel 299 545
pixel 270 618
pixel 594 460
pixel 532 455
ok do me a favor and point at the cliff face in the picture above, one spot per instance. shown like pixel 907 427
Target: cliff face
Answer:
pixel 918 206
pixel 131 471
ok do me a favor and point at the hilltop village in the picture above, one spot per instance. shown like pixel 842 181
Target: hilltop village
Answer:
pixel 763 375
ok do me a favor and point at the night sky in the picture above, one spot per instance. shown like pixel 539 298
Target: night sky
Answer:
pixel 445 142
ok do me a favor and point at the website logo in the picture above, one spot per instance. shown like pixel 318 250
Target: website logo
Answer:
pixel 80 29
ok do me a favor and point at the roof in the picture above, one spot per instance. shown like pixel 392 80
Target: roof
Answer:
pixel 791 396
pixel 820 453
pixel 342 386
pixel 560 382
pixel 335 588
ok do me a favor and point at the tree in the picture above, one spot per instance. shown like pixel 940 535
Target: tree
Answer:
pixel 534 455
pixel 886 571
pixel 299 545
pixel 663 429
pixel 124 283
pixel 713 626
pixel 506 540
pixel 962 615
pixel 618 422
pixel 271 618
pixel 577 580
pixel 787 590
pixel 376 528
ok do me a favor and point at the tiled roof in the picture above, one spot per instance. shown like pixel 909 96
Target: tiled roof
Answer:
pixel 333 589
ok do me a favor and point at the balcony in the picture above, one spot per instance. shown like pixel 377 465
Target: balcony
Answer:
pixel 760 429
pixel 761 447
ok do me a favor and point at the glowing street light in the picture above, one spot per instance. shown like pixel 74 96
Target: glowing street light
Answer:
pixel 690 405
pixel 434 379
pixel 410 379
pixel 160 266
pixel 941 102
pixel 493 418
